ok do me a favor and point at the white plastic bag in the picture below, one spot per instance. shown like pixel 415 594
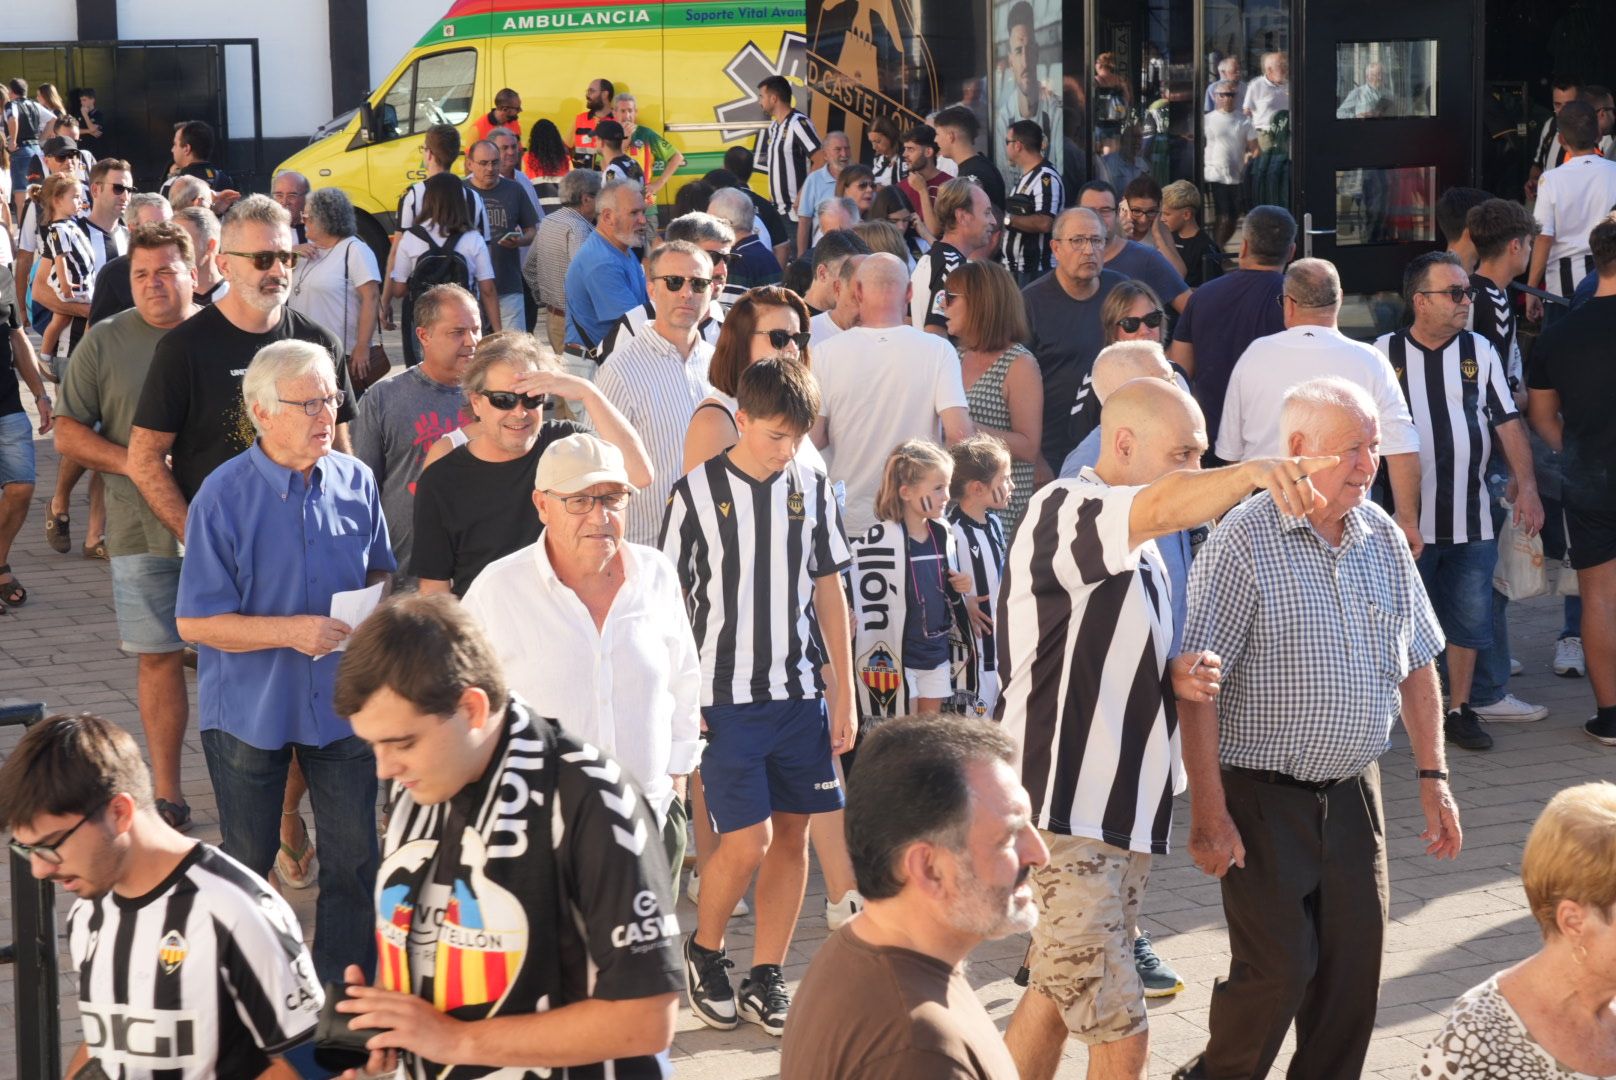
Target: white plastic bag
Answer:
pixel 1519 573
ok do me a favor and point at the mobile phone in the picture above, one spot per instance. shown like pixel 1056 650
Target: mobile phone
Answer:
pixel 514 234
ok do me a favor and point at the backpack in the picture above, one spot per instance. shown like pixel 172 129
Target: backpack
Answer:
pixel 440 265
pixel 628 168
pixel 31 120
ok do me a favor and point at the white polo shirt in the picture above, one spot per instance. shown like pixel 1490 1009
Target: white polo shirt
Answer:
pixel 1272 365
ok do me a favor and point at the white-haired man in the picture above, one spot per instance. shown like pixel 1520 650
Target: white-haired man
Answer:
pixel 273 535
pixel 1326 635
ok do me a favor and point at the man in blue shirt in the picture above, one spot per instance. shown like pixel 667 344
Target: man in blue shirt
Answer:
pixel 272 535
pixel 605 278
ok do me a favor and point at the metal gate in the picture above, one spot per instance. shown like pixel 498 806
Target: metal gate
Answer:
pixel 144 88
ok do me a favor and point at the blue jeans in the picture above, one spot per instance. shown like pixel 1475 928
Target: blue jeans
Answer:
pixel 1459 580
pixel 250 785
pixel 16 449
pixel 1491 680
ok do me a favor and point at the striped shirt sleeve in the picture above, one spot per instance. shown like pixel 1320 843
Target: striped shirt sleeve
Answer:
pixel 831 553
pixel 1500 402
pixel 267 972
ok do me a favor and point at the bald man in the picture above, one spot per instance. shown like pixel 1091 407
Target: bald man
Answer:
pixel 880 383
pixel 1117 364
pixel 1094 540
pixel 1326 636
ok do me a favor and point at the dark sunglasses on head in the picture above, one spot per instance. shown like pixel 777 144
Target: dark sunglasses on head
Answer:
pixel 263 260
pixel 505 400
pixel 778 338
pixel 676 282
pixel 1130 323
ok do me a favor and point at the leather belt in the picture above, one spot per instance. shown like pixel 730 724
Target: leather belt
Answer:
pixel 575 350
pixel 1270 776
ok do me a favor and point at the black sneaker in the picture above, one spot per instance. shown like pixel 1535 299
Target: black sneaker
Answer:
pixel 764 1000
pixel 1603 730
pixel 712 998
pixel 1463 728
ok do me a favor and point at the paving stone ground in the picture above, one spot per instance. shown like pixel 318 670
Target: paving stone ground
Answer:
pixel 1453 923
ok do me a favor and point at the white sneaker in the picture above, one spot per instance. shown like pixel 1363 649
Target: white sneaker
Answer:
pixel 693 890
pixel 1568 659
pixel 1510 710
pixel 838 913
pixel 1514 667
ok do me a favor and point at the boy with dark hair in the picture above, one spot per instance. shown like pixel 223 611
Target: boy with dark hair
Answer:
pixel 1452 211
pixel 169 936
pixel 957 128
pixel 757 539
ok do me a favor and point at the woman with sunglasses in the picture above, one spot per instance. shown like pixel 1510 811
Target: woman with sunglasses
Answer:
pixel 857 182
pixel 1003 385
pixel 1132 312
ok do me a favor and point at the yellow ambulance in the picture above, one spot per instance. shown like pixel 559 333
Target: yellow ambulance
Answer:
pixel 692 65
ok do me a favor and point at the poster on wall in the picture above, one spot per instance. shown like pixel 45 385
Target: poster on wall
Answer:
pixel 1027 74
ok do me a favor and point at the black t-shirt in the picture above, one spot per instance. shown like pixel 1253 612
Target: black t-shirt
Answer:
pixel 1194 252
pixel 991 179
pixel 217 178
pixel 469 512
pixel 113 290
pixel 1572 357
pixel 194 388
pixel 773 223
pixel 1066 336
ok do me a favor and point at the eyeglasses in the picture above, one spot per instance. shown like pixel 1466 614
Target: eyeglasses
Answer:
pixel 313 405
pixel 505 400
pixel 778 338
pixel 613 501
pixel 676 282
pixel 1152 212
pixel 1130 323
pixel 51 853
pixel 1094 243
pixel 263 260
pixel 863 185
pixel 1459 294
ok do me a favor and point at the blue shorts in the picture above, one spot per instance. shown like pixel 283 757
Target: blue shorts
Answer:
pixel 765 757
pixel 144 588
pixel 16 449
pixel 27 159
pixel 1459 580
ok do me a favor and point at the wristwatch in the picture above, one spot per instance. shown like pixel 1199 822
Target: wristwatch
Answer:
pixel 1433 774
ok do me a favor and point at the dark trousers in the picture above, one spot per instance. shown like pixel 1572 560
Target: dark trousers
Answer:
pixel 1307 920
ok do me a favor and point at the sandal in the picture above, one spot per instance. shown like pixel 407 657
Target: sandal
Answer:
pixel 177 815
pixel 97 550
pixel 297 868
pixel 11 592
pixel 57 534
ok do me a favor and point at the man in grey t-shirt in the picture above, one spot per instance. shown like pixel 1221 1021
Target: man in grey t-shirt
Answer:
pixel 402 417
pixel 513 219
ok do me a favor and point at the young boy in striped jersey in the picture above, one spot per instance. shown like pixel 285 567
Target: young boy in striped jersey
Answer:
pixel 981 484
pixel 757 541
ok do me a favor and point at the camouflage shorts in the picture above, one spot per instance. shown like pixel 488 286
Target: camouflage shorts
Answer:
pixel 1082 949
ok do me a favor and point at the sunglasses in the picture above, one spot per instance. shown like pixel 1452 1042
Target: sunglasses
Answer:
pixel 64 157
pixel 778 338
pixel 950 297
pixel 505 400
pixel 1130 323
pixel 722 258
pixel 580 505
pixel 676 282
pixel 1459 294
pixel 121 189
pixel 263 260
pixel 864 185
pixel 50 853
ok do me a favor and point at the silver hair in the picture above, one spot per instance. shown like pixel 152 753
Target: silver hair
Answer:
pixel 577 185
pixel 276 363
pixel 677 247
pixel 611 187
pixel 835 202
pixel 331 209
pixel 204 222
pixel 734 206
pixel 186 190
pixel 292 172
pixel 700 228
pixel 138 202
pixel 505 132
pixel 1307 407
pixel 256 210
pixel 1071 210
pixel 625 97
pixel 1227 84
pixel 1313 283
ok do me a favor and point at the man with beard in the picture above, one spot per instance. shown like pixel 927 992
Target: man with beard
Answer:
pixel 79 804
pixel 942 841
pixel 597 107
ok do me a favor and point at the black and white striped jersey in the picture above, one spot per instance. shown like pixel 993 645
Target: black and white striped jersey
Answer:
pixel 1085 624
pixel 1456 394
pixel 981 550
pixel 1029 251
pixel 748 553
pixel 205 976
pixel 1492 315
pixel 784 154
pixel 930 280
pixel 1572 200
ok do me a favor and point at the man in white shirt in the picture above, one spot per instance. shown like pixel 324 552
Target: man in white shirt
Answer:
pixel 1268 95
pixel 1571 200
pixel 591 629
pixel 881 383
pixel 1311 347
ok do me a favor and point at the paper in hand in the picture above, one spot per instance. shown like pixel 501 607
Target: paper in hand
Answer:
pixel 353 607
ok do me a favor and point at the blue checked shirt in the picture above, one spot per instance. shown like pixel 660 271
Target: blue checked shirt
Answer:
pixel 1315 640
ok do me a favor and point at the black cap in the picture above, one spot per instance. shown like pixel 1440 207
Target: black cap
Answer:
pixel 57 145
pixel 610 130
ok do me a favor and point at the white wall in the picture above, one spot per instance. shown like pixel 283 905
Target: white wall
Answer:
pixel 294 55
pixel 395 27
pixel 52 20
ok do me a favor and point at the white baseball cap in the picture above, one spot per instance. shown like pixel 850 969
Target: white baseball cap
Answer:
pixel 577 462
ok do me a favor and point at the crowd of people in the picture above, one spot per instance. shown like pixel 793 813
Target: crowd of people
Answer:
pixel 932 524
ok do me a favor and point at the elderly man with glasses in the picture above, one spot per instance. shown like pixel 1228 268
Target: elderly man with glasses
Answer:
pixel 592 629
pixel 274 536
